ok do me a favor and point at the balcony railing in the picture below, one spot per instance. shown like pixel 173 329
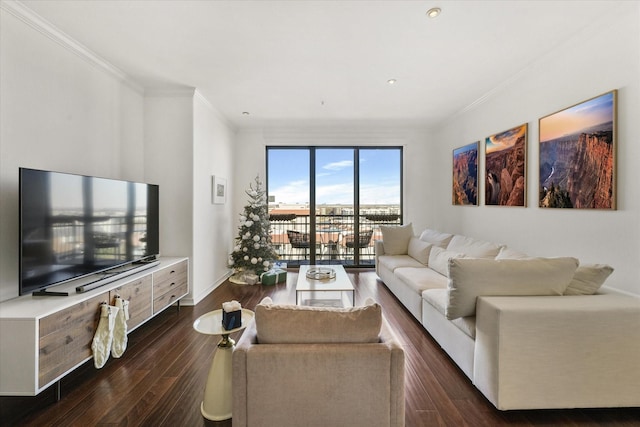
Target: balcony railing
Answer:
pixel 335 240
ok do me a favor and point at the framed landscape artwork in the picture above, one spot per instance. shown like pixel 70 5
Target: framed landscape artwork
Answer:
pixel 465 175
pixel 578 155
pixel 506 167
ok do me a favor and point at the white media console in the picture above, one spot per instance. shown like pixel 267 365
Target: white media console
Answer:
pixel 43 338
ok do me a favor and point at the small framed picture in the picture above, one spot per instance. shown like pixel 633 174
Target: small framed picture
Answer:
pixel 218 190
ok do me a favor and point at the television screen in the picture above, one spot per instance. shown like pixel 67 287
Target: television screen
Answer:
pixel 73 226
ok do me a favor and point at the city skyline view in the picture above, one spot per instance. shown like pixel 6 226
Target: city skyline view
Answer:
pixel 289 176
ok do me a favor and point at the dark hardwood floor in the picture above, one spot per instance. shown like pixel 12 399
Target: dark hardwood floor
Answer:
pixel 160 379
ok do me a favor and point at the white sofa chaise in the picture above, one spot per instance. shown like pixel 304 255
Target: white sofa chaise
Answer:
pixel 530 333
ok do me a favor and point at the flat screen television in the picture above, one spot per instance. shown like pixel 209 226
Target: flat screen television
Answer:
pixel 72 226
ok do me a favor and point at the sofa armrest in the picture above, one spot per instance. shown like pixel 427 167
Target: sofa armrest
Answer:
pixel 378 251
pixel 558 352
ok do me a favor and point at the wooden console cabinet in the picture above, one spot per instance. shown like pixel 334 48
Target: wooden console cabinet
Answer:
pixel 44 338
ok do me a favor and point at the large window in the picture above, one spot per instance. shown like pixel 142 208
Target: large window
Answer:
pixel 326 204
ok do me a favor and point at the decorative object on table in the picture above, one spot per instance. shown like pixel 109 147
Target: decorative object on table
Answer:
pixel 231 314
pixel 321 273
pixel 273 276
pixel 506 167
pixel 253 252
pixel 218 190
pixel 578 155
pixel 465 175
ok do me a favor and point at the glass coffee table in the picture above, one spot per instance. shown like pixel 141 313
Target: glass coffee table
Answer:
pixel 336 291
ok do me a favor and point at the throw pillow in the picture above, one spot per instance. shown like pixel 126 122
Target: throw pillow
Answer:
pixel 508 253
pixel 470 278
pixel 588 279
pixel 436 238
pixel 395 239
pixel 439 259
pixel 292 324
pixel 419 250
pixel 473 248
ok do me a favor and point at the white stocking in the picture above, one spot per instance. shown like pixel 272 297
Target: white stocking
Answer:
pixel 120 328
pixel 101 345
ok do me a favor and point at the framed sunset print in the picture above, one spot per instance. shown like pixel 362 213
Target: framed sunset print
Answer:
pixel 506 167
pixel 578 155
pixel 465 175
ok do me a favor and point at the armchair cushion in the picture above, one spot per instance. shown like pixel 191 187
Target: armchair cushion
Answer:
pixel 292 324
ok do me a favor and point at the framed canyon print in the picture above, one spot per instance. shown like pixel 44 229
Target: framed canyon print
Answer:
pixel 578 155
pixel 506 167
pixel 465 175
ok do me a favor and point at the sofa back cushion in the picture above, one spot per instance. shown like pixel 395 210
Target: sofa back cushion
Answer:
pixel 439 259
pixel 470 278
pixel 473 248
pixel 436 238
pixel 419 250
pixel 395 239
pixel 292 324
pixel 588 279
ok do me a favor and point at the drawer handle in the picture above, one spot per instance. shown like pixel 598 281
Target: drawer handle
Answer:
pixel 172 283
pixel 172 271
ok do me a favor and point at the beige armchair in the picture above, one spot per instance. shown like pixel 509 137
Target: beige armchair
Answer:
pixel 309 366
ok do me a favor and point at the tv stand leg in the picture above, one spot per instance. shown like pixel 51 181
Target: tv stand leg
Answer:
pixel 58 391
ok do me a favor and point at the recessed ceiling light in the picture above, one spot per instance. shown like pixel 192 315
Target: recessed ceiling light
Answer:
pixel 433 12
pixel 245 113
pixel 392 81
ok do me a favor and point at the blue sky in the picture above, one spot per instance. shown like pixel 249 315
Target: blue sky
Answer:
pixel 379 176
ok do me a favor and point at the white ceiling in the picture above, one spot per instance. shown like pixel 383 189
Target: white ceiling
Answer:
pixel 320 62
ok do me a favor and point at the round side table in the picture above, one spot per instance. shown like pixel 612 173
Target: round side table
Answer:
pixel 216 405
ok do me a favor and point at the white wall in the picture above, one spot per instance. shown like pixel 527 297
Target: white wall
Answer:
pixel 58 111
pixel 597 60
pixel 212 224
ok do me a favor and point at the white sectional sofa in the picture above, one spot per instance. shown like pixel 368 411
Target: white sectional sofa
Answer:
pixel 530 333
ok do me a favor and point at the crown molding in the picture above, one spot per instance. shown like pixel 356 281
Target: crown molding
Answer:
pixel 38 23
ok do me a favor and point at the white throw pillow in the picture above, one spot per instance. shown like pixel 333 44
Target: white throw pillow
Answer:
pixel 588 279
pixel 508 253
pixel 436 238
pixel 470 278
pixel 395 239
pixel 473 248
pixel 439 259
pixel 419 250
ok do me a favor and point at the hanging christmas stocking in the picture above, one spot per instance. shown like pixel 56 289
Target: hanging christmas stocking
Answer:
pixel 120 328
pixel 101 345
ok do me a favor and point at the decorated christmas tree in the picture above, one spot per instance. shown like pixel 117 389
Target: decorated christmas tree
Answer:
pixel 253 252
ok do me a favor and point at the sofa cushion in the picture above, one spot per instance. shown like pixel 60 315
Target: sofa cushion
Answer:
pixel 470 278
pixel 395 239
pixel 588 279
pixel 292 324
pixel 421 278
pixel 473 248
pixel 439 259
pixel 419 250
pixel 438 298
pixel 436 238
pixel 392 262
pixel 508 253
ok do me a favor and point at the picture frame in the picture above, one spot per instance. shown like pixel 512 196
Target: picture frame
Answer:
pixel 577 149
pixel 218 190
pixel 506 167
pixel 465 175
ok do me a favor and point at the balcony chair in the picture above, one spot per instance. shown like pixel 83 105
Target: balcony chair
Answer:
pixel 299 240
pixel 364 240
